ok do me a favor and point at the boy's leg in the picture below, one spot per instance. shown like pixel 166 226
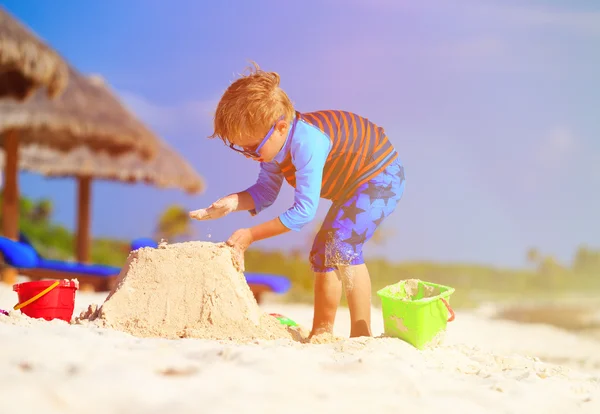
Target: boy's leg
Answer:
pixel 339 243
pixel 328 283
pixel 328 293
pixel 357 283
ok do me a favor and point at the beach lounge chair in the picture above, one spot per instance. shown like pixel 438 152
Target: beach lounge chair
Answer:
pixel 94 277
pixel 260 283
pixel 23 256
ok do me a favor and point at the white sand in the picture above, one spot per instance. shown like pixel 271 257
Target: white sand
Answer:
pixel 184 290
pixel 485 366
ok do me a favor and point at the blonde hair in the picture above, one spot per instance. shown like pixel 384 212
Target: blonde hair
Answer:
pixel 250 106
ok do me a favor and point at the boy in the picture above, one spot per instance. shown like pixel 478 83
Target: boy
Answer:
pixel 329 154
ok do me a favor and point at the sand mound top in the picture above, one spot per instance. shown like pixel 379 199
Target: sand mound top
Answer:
pixel 190 289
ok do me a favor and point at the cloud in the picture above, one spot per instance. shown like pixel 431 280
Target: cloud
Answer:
pixel 375 4
pixel 583 22
pixel 186 117
pixel 557 147
pixel 477 47
pixel 546 160
pixel 500 11
pixel 480 53
pixel 593 167
pixel 466 36
pixel 560 155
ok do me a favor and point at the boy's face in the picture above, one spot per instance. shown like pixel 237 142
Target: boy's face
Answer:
pixel 264 149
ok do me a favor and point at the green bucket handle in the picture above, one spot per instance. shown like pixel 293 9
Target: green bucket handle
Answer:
pixel 450 311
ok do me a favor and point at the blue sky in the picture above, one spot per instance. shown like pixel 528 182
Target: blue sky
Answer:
pixel 493 106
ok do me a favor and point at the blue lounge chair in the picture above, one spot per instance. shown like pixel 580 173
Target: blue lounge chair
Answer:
pixel 23 256
pixel 263 282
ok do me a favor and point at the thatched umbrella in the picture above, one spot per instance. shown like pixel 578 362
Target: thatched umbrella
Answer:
pixel 85 114
pixel 27 63
pixel 167 170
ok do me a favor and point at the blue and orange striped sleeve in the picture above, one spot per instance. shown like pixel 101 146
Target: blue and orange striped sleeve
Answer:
pixel 309 151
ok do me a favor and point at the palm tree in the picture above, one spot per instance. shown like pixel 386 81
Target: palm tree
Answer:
pixel 533 256
pixel 174 224
pixel 41 212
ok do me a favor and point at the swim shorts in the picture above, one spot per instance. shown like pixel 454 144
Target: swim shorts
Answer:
pixel 350 224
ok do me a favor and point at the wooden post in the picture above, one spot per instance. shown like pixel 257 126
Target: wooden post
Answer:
pixel 10 203
pixel 84 207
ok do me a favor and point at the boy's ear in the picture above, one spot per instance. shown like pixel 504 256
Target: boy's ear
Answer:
pixel 281 126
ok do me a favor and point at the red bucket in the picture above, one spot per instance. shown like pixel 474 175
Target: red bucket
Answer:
pixel 47 299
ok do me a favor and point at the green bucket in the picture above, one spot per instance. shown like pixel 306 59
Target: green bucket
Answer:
pixel 416 311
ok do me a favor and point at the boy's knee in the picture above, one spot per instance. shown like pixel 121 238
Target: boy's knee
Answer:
pixel 334 256
pixel 317 262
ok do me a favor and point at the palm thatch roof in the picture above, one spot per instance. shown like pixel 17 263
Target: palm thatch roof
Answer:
pixel 167 170
pixel 27 63
pixel 87 113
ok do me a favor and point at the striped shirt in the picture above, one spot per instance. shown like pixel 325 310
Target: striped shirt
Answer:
pixel 327 154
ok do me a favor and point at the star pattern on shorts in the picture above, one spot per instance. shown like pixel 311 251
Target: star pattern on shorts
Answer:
pixel 378 221
pixel 355 239
pixel 373 191
pixel 400 173
pixel 350 222
pixel 387 193
pixel 350 212
pixel 377 192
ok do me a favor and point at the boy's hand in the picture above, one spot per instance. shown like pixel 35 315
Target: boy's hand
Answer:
pixel 218 209
pixel 240 240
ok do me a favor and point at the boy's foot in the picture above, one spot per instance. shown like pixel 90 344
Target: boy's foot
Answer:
pixel 321 330
pixel 323 338
pixel 360 328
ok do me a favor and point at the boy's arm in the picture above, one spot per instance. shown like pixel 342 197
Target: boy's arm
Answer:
pixel 264 193
pixel 309 158
pixel 244 201
pixel 268 229
pixel 254 199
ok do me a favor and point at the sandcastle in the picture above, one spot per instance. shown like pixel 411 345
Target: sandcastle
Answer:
pixel 184 290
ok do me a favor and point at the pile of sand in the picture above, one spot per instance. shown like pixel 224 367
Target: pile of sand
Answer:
pixel 190 289
pixel 409 288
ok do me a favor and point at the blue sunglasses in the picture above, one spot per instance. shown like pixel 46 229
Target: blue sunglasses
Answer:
pixel 255 152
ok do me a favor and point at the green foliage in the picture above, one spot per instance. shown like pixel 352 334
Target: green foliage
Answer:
pixel 174 224
pixel 473 283
pixel 41 212
pixel 586 260
pixel 54 241
pixel 50 240
pixel 110 252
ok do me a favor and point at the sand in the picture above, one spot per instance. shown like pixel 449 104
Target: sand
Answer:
pixel 484 366
pixel 184 290
pixel 410 288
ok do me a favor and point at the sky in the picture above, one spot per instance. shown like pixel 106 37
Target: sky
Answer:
pixel 491 104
